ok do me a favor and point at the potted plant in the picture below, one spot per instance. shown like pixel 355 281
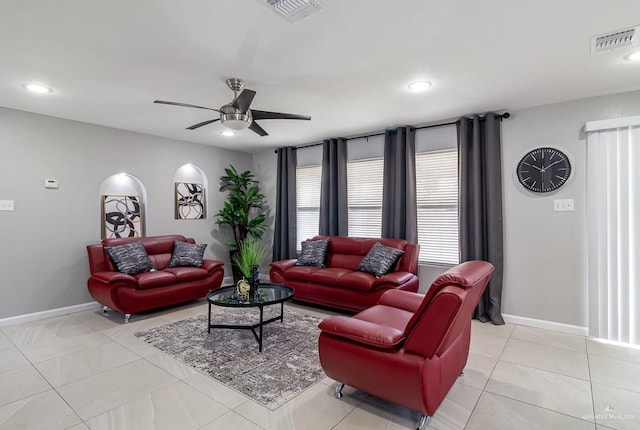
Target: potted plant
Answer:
pixel 241 211
pixel 250 256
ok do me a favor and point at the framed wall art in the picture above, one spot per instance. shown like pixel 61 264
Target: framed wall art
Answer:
pixel 190 201
pixel 122 216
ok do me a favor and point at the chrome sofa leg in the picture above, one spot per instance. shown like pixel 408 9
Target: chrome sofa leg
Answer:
pixel 424 421
pixel 104 309
pixel 126 318
pixel 461 373
pixel 339 387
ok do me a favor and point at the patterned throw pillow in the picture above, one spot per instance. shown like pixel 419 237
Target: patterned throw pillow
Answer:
pixel 313 253
pixel 186 254
pixel 131 258
pixel 379 259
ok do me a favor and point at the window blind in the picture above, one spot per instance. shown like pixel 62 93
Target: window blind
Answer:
pixel 613 227
pixel 308 202
pixel 437 202
pixel 364 197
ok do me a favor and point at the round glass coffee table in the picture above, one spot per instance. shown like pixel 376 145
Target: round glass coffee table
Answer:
pixel 268 294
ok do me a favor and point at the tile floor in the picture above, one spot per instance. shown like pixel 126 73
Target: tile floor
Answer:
pixel 87 371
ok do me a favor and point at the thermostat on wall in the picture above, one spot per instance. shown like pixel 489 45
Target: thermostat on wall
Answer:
pixel 51 183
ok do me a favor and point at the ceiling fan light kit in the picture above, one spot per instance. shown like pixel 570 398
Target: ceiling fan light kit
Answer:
pixel 236 115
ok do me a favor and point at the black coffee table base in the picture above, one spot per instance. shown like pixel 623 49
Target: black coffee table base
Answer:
pixel 253 327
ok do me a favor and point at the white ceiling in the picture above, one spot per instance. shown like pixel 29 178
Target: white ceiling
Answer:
pixel 346 66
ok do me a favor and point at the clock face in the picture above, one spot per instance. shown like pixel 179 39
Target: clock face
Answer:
pixel 543 169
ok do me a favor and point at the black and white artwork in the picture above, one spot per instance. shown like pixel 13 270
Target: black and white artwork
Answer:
pixel 122 216
pixel 190 203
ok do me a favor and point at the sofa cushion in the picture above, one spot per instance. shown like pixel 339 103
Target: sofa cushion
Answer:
pixel 186 254
pixel 355 280
pixel 158 278
pixel 329 276
pixel 313 253
pixel 188 273
pixel 300 273
pixel 380 259
pixel 131 258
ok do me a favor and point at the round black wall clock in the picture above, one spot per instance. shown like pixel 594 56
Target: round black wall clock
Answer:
pixel 542 170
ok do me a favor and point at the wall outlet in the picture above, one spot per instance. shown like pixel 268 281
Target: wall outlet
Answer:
pixel 6 205
pixel 563 205
pixel 51 183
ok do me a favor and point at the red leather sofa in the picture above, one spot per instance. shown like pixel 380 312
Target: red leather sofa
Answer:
pixel 149 290
pixel 409 348
pixel 340 285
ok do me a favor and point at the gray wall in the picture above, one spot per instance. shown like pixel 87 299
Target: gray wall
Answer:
pixel 42 243
pixel 543 276
pixel 544 250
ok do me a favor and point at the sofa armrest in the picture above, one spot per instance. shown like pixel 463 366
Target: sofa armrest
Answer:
pixel 283 265
pixel 113 277
pixel 400 299
pixel 393 278
pixel 361 331
pixel 211 265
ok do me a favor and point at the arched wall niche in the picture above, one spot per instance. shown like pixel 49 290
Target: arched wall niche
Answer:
pixel 191 186
pixel 123 200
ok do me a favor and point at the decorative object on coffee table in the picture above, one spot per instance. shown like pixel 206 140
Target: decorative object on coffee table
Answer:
pixel 250 255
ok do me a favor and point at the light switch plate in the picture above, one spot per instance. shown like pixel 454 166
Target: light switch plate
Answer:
pixel 6 205
pixel 563 205
pixel 51 183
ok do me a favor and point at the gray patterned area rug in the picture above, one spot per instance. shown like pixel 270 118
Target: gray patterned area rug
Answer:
pixel 287 365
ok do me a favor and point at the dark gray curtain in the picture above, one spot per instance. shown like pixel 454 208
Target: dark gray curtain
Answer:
pixel 481 204
pixel 333 192
pixel 399 209
pixel 284 235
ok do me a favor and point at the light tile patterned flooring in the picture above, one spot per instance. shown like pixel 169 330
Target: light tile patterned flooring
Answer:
pixel 88 371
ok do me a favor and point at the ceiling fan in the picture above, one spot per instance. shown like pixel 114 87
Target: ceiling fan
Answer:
pixel 236 114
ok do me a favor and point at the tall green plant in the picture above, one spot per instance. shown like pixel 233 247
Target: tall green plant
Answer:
pixel 241 210
pixel 251 253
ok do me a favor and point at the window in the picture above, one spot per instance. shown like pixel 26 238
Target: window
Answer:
pixel 437 199
pixel 364 197
pixel 308 202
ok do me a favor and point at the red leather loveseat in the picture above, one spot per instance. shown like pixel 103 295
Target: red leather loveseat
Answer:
pixel 149 290
pixel 340 284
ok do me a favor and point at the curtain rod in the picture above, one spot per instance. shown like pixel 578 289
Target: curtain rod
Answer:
pixel 366 136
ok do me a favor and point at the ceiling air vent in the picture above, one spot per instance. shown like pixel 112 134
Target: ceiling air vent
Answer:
pixel 617 39
pixel 293 10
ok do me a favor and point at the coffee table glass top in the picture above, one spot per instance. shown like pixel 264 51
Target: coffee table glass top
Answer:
pixel 268 294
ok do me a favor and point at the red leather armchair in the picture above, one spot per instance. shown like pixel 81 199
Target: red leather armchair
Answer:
pixel 409 348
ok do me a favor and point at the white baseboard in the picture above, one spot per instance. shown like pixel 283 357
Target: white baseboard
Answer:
pixel 512 319
pixel 548 325
pixel 19 319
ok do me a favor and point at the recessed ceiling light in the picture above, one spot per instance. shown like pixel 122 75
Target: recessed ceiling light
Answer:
pixel 633 57
pixel 228 133
pixel 419 86
pixel 37 88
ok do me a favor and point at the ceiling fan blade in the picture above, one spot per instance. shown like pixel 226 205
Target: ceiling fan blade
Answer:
pixel 243 101
pixel 261 114
pixel 184 105
pixel 203 123
pixel 257 129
